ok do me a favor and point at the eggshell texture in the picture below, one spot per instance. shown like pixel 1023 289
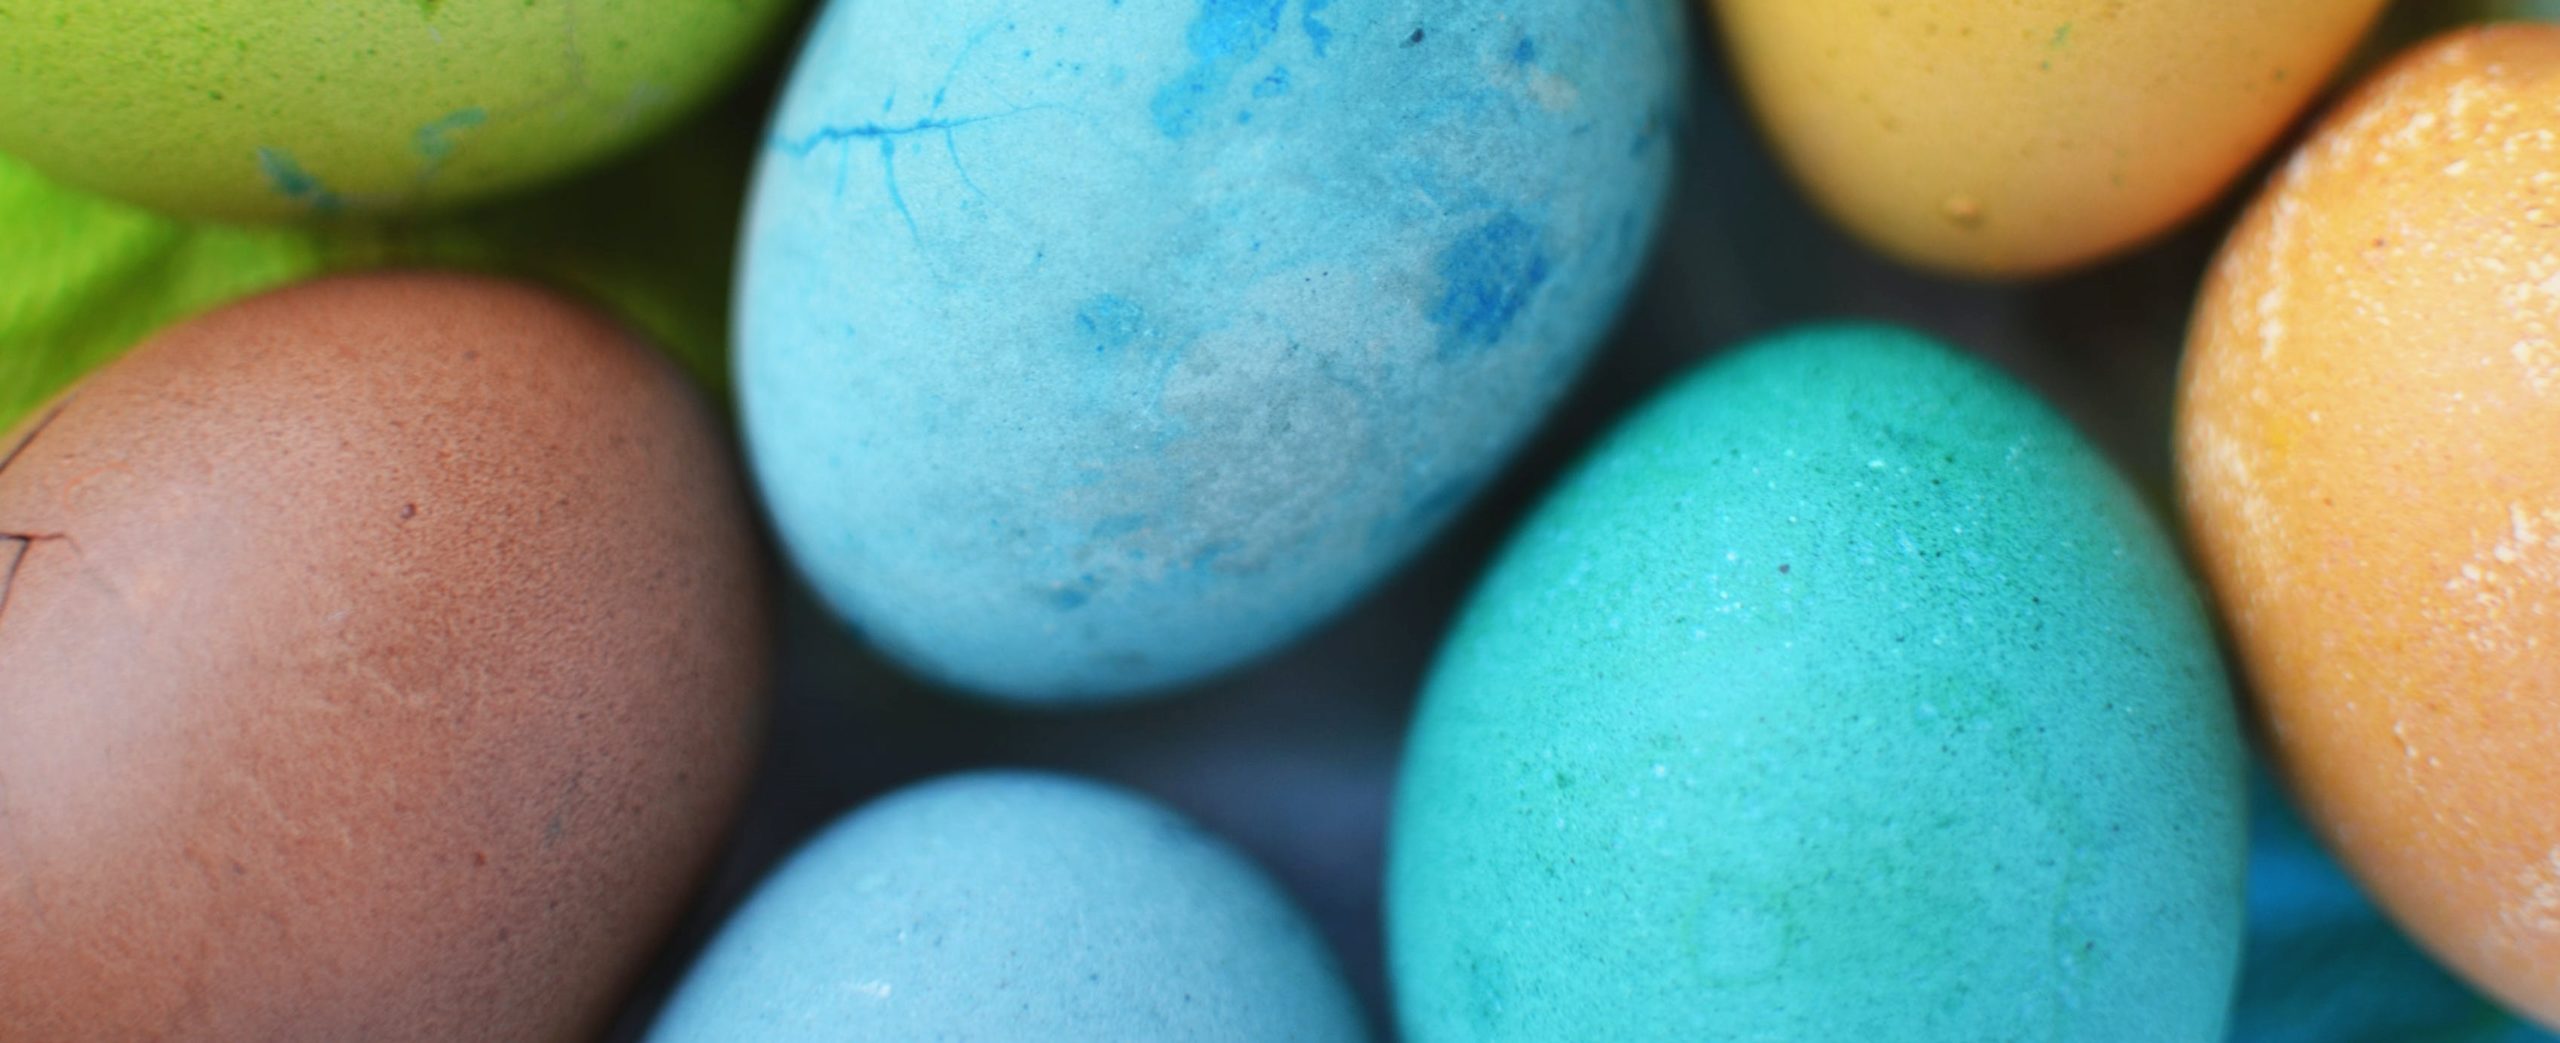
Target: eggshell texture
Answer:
pixel 380 659
pixel 1842 693
pixel 2365 434
pixel 1089 348
pixel 2325 967
pixel 253 109
pixel 2022 137
pixel 1014 908
pixel 84 278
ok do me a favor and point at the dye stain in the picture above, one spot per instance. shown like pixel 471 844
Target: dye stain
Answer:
pixel 436 141
pixel 1224 36
pixel 1488 276
pixel 288 179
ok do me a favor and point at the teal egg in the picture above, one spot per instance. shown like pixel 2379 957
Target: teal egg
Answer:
pixel 1014 908
pixel 1844 693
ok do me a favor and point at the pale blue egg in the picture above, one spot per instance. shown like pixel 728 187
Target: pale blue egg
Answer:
pixel 1014 908
pixel 1089 347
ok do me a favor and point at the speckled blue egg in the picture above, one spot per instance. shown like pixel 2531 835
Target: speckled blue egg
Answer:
pixel 1014 908
pixel 1089 347
pixel 1844 693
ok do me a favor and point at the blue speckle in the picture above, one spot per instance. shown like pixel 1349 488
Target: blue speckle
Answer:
pixel 1274 85
pixel 292 182
pixel 1490 274
pixel 1224 36
pixel 1318 34
pixel 435 140
pixel 1072 596
pixel 1110 322
pixel 1526 53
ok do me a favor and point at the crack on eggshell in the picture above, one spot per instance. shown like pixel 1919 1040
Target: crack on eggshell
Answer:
pixel 50 416
pixel 17 546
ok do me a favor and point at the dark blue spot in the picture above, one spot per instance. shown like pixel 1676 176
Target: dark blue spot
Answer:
pixel 1274 85
pixel 1109 322
pixel 1072 596
pixel 435 140
pixel 1489 274
pixel 1224 36
pixel 289 180
pixel 1526 53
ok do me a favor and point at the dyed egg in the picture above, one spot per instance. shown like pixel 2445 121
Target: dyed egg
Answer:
pixel 380 659
pixel 250 109
pixel 1842 693
pixel 2021 137
pixel 1013 908
pixel 2365 433
pixel 1091 348
pixel 83 278
pixel 2324 966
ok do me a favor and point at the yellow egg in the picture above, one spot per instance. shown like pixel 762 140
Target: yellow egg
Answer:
pixel 2366 436
pixel 2004 138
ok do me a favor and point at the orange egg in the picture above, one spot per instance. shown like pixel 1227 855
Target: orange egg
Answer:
pixel 2023 137
pixel 2369 453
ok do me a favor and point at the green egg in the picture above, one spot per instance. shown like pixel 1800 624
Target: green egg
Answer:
pixel 1843 693
pixel 264 109
pixel 83 277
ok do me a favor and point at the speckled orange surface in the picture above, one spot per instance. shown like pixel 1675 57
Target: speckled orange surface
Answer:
pixel 380 659
pixel 2023 137
pixel 2369 449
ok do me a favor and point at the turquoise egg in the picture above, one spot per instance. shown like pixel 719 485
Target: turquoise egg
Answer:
pixel 1091 347
pixel 1013 908
pixel 1843 693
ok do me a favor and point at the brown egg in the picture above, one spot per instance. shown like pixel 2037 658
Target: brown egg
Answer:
pixel 2369 448
pixel 380 659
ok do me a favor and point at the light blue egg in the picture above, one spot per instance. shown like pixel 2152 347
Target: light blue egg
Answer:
pixel 1013 908
pixel 1089 347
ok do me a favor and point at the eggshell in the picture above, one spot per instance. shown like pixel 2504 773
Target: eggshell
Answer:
pixel 2011 138
pixel 1090 348
pixel 252 109
pixel 380 659
pixel 1842 693
pixel 2365 433
pixel 1014 908
pixel 2324 966
pixel 84 278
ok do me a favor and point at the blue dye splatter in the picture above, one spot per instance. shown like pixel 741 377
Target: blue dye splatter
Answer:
pixel 1489 276
pixel 289 180
pixel 435 141
pixel 1073 596
pixel 1110 322
pixel 1318 33
pixel 1224 36
pixel 1274 85
pixel 1526 53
